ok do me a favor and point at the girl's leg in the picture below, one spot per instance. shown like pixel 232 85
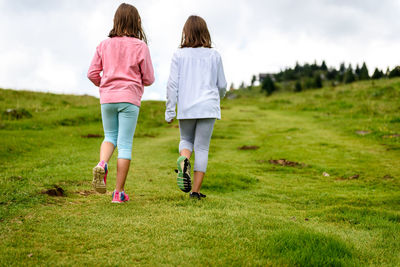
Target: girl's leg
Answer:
pixel 127 119
pixel 106 151
pixel 187 130
pixel 183 179
pixel 122 172
pixel 109 115
pixel 204 129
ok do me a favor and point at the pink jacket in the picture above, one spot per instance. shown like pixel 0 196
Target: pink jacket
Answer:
pixel 127 68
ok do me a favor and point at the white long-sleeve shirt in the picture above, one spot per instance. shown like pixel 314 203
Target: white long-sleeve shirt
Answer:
pixel 196 83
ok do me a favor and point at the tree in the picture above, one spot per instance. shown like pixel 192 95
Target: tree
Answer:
pixel 341 73
pixel 307 70
pixel 268 85
pixel 314 66
pixel 241 86
pixel 323 66
pixel 364 75
pixel 253 80
pixel 297 67
pixel 377 74
pixel 349 75
pixel 387 72
pixel 342 68
pixel 395 72
pixel 331 74
pixel 317 81
pixel 357 72
pixel 297 86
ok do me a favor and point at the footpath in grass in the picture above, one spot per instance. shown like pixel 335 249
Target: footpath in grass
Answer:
pixel 268 202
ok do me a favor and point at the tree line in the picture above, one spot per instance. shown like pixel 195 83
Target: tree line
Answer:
pixel 310 76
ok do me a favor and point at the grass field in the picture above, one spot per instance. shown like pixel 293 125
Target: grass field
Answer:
pixel 259 211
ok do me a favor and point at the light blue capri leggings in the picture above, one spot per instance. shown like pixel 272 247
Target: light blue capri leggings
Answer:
pixel 196 134
pixel 119 124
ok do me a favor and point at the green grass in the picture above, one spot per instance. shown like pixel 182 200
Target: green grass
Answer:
pixel 255 213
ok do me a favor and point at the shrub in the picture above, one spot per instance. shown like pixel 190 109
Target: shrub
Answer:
pixel 268 85
pixel 298 87
pixel 317 81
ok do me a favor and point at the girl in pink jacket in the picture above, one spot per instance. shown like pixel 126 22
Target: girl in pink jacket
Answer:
pixel 125 61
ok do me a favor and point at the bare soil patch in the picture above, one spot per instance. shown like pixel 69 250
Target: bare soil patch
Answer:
pixel 248 147
pixel 56 191
pixel 92 136
pixel 284 162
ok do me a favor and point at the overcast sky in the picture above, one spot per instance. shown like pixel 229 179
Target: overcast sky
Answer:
pixel 47 45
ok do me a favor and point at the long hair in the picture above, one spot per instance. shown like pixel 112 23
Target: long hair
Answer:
pixel 127 22
pixel 195 33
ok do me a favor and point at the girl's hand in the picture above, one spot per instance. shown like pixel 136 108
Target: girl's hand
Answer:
pixel 171 121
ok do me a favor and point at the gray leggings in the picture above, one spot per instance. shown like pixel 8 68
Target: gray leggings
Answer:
pixel 196 133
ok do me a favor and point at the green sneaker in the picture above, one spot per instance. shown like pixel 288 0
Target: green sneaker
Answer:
pixel 183 171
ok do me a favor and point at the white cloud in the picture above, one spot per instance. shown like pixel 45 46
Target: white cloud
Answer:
pixel 48 45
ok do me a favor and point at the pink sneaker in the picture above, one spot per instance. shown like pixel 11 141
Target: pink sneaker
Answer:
pixel 100 177
pixel 119 197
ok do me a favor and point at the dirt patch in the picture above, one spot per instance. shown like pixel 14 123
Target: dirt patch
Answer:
pixel 248 147
pixel 363 132
pixel 388 176
pixel 92 136
pixel 284 162
pixel 85 193
pixel 56 191
pixel 353 177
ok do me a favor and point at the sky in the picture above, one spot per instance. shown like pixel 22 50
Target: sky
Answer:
pixel 47 45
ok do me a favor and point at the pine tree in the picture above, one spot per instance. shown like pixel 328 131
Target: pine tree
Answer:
pixel 342 68
pixel 253 80
pixel 357 72
pixel 323 66
pixel 349 75
pixel 377 74
pixel 297 67
pixel 364 75
pixel 268 85
pixel 387 72
pixel 331 74
pixel 395 72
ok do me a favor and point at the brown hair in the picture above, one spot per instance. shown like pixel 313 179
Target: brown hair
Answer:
pixel 195 33
pixel 127 22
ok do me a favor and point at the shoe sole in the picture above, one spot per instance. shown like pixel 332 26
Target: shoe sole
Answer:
pixel 183 179
pixel 98 178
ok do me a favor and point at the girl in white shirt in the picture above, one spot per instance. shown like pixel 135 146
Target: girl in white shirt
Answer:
pixel 196 84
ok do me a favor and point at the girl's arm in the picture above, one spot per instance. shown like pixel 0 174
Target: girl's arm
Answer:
pixel 172 90
pixel 146 67
pixel 221 82
pixel 95 68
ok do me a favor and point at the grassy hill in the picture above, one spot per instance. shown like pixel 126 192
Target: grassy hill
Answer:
pixel 294 179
